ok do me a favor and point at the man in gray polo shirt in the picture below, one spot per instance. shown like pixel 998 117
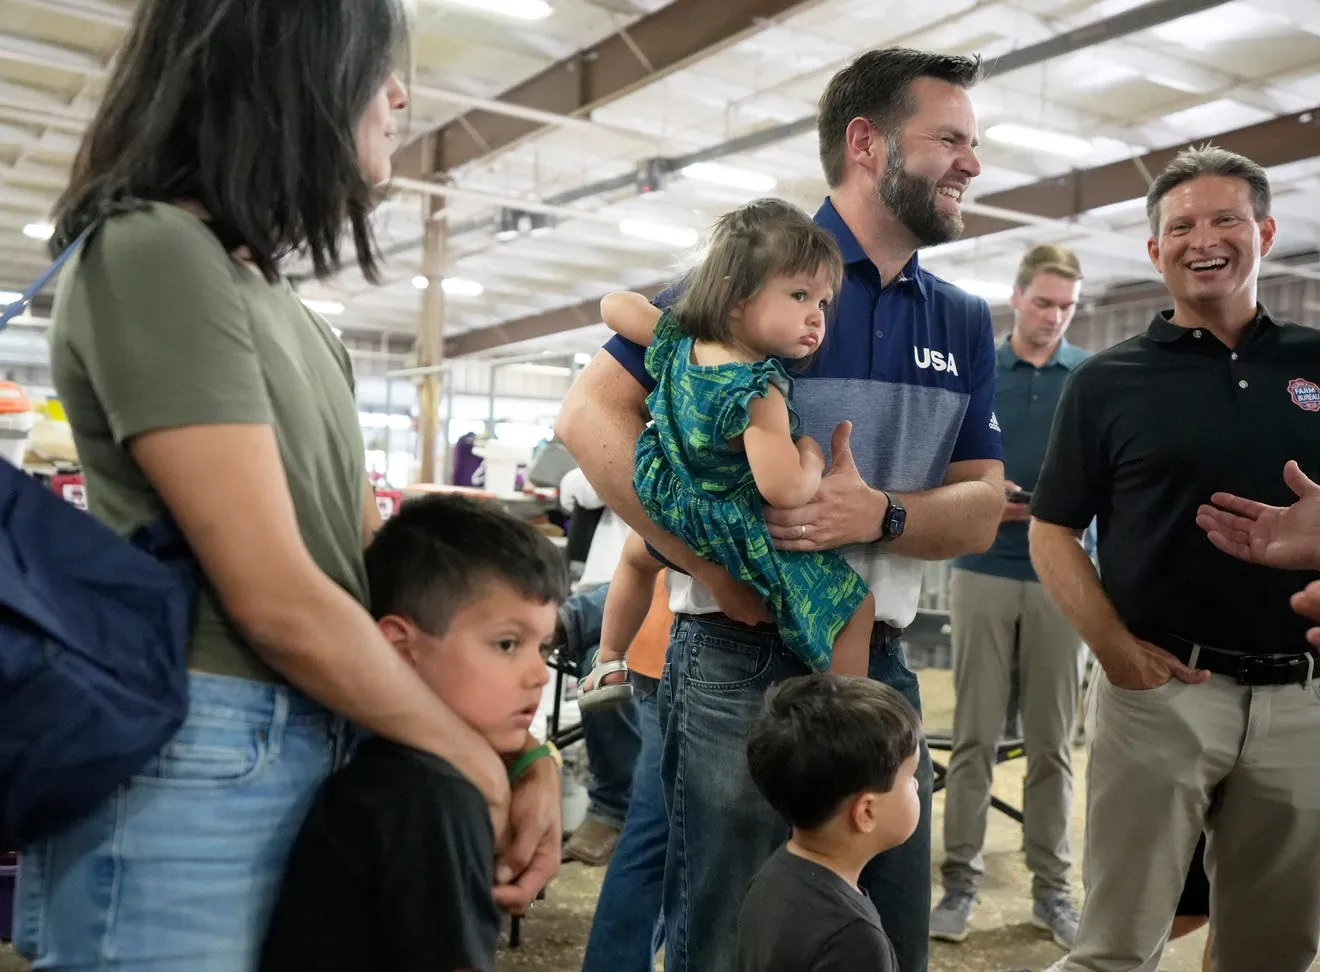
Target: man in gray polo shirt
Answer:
pixel 999 610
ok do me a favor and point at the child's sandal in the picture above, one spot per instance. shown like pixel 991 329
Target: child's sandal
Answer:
pixel 597 695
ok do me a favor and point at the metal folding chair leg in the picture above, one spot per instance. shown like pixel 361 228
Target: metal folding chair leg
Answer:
pixel 1006 750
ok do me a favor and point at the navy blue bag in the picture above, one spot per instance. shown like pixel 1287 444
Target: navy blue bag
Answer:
pixel 94 632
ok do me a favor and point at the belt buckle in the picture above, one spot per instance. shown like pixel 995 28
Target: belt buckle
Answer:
pixel 1266 670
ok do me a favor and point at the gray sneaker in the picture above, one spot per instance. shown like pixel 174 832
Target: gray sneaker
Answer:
pixel 1058 917
pixel 948 922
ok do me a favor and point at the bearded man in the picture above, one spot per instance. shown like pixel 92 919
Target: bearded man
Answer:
pixel 911 360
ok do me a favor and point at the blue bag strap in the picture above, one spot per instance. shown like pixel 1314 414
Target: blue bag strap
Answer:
pixel 109 207
pixel 20 305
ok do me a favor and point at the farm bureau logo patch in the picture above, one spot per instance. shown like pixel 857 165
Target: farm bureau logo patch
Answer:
pixel 1305 394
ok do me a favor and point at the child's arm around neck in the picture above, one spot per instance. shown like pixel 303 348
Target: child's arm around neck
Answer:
pixel 630 315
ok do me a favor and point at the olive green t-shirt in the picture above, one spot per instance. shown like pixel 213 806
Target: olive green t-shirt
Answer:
pixel 156 327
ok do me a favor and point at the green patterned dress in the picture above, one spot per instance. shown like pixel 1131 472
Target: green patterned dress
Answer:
pixel 699 489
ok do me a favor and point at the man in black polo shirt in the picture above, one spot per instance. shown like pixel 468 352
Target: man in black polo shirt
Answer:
pixel 1207 716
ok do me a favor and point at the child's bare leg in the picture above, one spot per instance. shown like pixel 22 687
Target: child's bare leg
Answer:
pixel 632 588
pixel 852 647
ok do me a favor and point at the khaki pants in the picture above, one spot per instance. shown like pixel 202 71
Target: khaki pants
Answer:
pixel 1240 762
pixel 992 617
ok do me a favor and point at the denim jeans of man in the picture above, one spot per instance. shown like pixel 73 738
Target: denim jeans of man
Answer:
pixel 721 831
pixel 179 868
pixel 627 929
pixel 612 736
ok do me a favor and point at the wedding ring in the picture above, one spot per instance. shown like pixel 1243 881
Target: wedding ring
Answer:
pixel 803 535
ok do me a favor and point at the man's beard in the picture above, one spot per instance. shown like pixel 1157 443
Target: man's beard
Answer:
pixel 911 200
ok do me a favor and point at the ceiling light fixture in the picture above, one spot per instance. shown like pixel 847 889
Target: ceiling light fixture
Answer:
pixel 652 174
pixel 986 288
pixel 7 297
pixel 326 308
pixel 542 369
pixel 506 225
pixel 421 282
pixel 1039 140
pixel 728 175
pixel 39 231
pixel 458 287
pixel 516 9
pixel 666 233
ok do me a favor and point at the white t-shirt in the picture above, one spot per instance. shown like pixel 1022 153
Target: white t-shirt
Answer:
pixel 611 532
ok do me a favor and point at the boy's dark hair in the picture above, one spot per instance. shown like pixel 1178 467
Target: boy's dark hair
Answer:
pixel 823 738
pixel 249 107
pixel 877 86
pixel 764 239
pixel 1209 160
pixel 438 552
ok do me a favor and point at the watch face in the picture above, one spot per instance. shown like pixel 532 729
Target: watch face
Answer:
pixel 897 519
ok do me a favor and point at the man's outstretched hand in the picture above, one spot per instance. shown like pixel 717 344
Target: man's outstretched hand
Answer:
pixel 1286 537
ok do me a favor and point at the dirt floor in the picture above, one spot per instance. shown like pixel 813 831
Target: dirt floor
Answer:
pixel 1002 937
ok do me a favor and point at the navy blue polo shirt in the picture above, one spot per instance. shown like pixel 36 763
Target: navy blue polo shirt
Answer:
pixel 911 362
pixel 1025 399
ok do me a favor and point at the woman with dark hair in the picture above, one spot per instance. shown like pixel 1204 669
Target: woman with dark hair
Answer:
pixel 234 134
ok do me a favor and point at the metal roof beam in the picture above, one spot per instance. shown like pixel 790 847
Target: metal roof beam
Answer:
pixel 667 39
pixel 1279 141
pixel 1056 202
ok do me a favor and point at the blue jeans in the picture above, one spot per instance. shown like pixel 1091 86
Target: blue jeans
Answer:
pixel 627 929
pixel 612 736
pixel 179 868
pixel 721 829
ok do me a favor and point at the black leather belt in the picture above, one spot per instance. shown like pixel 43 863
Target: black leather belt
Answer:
pixel 1296 668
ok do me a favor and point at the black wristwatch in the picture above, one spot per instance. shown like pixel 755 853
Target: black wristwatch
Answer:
pixel 894 520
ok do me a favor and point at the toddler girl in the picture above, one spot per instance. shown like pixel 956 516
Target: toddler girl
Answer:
pixel 723 441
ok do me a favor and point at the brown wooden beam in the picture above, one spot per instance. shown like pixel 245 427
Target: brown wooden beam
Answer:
pixel 1279 141
pixel 1290 138
pixel 675 34
pixel 537 325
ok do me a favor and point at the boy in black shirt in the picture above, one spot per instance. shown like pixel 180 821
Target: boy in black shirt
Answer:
pixel 834 755
pixel 393 868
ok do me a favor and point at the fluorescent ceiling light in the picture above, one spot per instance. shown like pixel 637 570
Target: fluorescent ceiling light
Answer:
pixel 986 288
pixel 39 231
pixel 7 297
pixel 582 359
pixel 665 233
pixel 458 287
pixel 517 9
pixel 542 369
pixel 326 308
pixel 421 282
pixel 1039 140
pixel 1219 25
pixel 1221 114
pixel 727 175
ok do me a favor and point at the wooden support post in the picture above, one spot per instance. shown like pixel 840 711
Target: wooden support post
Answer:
pixel 431 336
